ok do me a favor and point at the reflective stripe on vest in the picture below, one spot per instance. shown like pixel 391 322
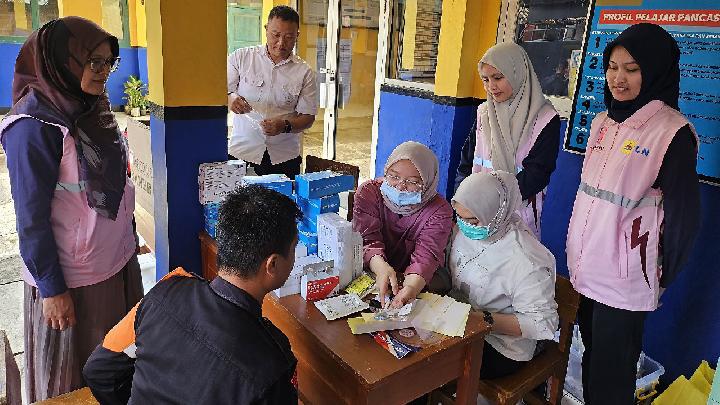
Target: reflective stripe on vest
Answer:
pixel 71 187
pixel 479 161
pixel 620 200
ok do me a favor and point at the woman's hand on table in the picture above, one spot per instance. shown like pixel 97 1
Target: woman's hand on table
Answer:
pixel 412 285
pixel 385 277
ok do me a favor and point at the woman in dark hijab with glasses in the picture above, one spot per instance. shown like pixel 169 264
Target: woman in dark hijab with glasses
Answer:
pixel 73 201
pixel 636 212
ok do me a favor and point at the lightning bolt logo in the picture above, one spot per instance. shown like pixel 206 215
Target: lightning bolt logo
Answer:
pixel 640 240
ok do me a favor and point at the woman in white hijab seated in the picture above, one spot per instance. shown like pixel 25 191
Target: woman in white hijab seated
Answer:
pixel 499 267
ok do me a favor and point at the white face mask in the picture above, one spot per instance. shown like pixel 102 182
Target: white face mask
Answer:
pixel 398 197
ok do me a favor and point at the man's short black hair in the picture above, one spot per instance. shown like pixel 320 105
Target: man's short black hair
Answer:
pixel 285 13
pixel 253 223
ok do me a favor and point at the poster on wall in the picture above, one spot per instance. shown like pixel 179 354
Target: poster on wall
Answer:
pixel 696 28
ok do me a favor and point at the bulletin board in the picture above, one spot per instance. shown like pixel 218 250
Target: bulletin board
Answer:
pixel 695 25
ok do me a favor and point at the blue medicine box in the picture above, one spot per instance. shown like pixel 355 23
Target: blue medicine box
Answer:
pixel 308 223
pixel 278 182
pixel 308 237
pixel 321 184
pixel 316 206
pixel 210 213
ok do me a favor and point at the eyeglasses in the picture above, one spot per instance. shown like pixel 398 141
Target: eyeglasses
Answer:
pixel 97 65
pixel 409 184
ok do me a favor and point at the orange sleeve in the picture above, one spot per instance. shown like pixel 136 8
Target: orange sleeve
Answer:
pixel 122 335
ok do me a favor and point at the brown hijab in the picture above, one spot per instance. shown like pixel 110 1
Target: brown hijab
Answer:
pixel 47 78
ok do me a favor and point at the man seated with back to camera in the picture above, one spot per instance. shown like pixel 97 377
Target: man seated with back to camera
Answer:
pixel 198 342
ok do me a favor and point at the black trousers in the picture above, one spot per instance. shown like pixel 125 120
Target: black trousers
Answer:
pixel 290 168
pixel 613 340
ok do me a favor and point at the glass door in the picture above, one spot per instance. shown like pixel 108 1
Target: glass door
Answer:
pixel 357 55
pixel 312 48
pixel 338 38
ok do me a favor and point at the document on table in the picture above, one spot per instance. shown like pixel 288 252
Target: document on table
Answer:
pixel 441 314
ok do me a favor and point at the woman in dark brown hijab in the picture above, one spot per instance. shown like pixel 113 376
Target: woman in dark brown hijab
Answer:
pixel 73 201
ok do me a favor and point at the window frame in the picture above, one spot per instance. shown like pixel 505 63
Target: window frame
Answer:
pixel 35 18
pixel 386 18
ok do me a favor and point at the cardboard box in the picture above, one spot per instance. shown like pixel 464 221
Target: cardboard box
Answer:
pixel 316 206
pixel 319 282
pixel 278 182
pixel 321 184
pixel 338 242
pixel 292 284
pixel 217 180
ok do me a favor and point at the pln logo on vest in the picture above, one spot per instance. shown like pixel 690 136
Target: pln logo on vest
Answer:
pixel 630 146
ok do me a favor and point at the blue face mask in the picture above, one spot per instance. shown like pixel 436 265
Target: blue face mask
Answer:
pixel 473 232
pixel 400 197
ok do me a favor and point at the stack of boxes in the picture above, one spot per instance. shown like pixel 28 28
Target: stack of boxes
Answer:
pixel 317 193
pixel 329 256
pixel 215 181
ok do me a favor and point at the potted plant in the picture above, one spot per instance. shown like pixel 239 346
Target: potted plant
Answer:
pixel 135 96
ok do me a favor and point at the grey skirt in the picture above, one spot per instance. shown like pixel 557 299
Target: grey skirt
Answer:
pixel 54 359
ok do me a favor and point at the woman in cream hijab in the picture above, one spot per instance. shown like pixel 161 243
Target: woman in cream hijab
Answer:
pixel 518 130
pixel 500 268
pixel 404 222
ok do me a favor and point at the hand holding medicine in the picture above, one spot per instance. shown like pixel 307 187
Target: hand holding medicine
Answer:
pixel 273 126
pixel 238 104
pixel 385 277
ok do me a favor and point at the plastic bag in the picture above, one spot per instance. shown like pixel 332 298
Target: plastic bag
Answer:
pixel 252 121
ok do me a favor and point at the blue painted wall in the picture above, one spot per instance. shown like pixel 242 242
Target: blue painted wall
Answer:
pixel 8 54
pixel 443 128
pixel 133 62
pixel 178 148
pixel 683 331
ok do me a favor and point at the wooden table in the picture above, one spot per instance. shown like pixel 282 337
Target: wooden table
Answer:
pixel 83 396
pixel 335 366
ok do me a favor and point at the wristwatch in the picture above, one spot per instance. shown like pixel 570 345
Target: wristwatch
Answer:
pixel 488 318
pixel 288 127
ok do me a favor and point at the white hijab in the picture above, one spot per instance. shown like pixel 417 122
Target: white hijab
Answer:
pixel 508 125
pixel 486 195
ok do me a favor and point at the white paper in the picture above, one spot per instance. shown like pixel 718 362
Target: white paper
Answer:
pixel 441 314
pixel 341 306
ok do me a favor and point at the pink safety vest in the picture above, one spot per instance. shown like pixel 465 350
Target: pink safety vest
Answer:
pixel 531 209
pixel 91 248
pixel 614 235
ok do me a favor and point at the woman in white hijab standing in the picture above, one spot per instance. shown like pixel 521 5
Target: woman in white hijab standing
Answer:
pixel 500 268
pixel 517 129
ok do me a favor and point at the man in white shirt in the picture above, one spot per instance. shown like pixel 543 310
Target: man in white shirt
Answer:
pixel 273 94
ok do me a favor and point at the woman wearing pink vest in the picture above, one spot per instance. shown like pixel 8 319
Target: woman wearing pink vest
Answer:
pixel 74 203
pixel 517 129
pixel 636 212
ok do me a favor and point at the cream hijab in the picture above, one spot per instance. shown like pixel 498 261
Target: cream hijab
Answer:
pixel 508 125
pixel 489 194
pixel 426 163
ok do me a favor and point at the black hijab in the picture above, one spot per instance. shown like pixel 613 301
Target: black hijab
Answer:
pixel 46 84
pixel 658 55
